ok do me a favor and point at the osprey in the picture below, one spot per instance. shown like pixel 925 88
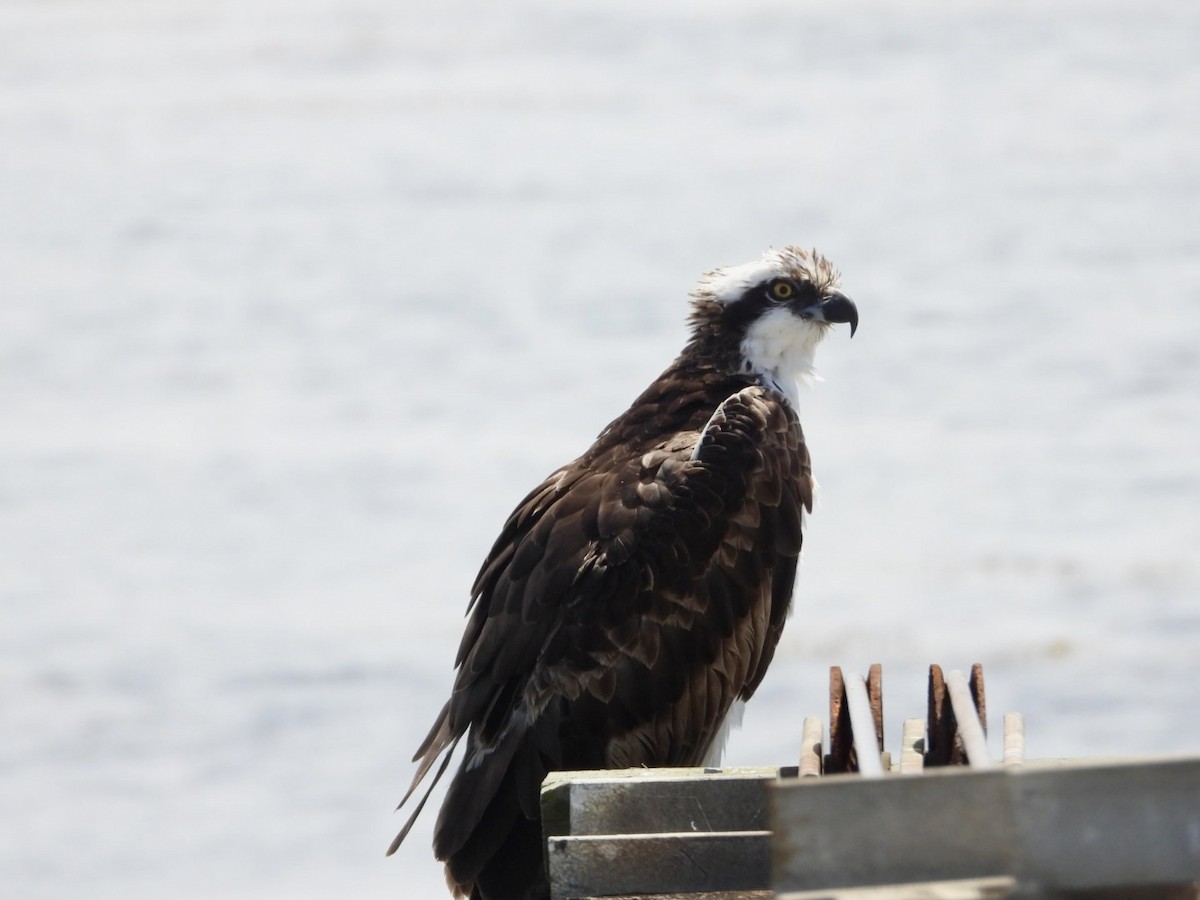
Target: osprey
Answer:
pixel 638 593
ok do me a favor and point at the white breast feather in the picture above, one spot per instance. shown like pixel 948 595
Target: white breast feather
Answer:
pixel 781 347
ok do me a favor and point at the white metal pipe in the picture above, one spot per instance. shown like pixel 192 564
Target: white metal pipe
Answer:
pixel 967 716
pixel 810 747
pixel 912 747
pixel 862 725
pixel 1014 739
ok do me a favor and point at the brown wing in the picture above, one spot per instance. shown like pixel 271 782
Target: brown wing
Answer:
pixel 704 628
pixel 627 602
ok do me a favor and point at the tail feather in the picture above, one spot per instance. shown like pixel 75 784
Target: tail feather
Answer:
pixel 439 733
pixel 471 800
pixel 433 746
pixel 399 839
pixel 479 847
pixel 501 856
pixel 518 862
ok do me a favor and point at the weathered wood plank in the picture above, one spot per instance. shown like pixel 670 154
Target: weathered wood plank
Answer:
pixel 1123 826
pixel 606 865
pixel 703 895
pixel 968 889
pixel 1069 828
pixel 1108 826
pixel 845 831
pixel 646 801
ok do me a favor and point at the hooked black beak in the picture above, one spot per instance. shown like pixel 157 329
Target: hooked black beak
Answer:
pixel 837 307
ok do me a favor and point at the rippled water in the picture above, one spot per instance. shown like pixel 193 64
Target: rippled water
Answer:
pixel 297 300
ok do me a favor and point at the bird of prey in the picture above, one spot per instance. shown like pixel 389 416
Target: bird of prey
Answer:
pixel 636 596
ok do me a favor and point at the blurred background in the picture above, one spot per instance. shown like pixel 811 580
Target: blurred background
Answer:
pixel 298 299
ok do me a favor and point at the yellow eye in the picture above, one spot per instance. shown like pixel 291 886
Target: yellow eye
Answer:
pixel 782 290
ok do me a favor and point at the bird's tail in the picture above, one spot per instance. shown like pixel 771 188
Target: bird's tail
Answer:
pixel 489 830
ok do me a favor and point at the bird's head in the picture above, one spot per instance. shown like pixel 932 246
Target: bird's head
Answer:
pixel 768 316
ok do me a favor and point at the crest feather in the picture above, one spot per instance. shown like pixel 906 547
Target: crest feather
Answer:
pixel 728 283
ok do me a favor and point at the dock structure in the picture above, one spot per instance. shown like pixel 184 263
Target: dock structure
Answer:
pixel 944 821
